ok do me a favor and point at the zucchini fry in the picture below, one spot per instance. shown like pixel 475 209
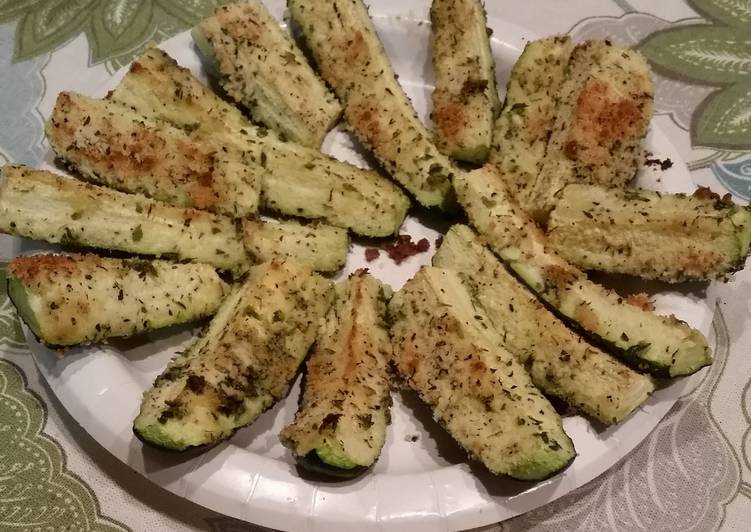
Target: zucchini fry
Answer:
pixel 44 206
pixel 340 427
pixel 560 363
pixel 662 345
pixel 242 365
pixel 112 145
pixel 670 237
pixel 261 68
pixel 465 98
pixel 156 87
pixel 351 58
pixel 523 128
pixel 446 349
pixel 297 181
pixel 320 247
pixel 79 299
pixel 313 185
pixel 600 125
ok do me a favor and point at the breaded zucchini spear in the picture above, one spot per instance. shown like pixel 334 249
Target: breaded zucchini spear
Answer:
pixel 559 361
pixel 652 235
pixel 448 351
pixel 260 67
pixel 320 247
pixel 44 206
pixel 340 426
pixel 297 181
pixel 523 128
pixel 243 363
pixel 600 125
pixel 662 345
pixel 79 299
pixel 110 144
pixel 351 58
pixel 465 98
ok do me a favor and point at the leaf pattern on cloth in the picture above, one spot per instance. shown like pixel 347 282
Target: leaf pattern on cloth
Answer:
pixel 734 174
pixel 724 116
pixel 118 15
pixel 684 473
pixel 729 12
pixel 714 53
pixel 37 491
pixel 116 29
pixel 701 53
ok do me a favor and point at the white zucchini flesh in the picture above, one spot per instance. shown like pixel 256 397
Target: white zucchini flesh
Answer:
pixel 344 410
pixel 560 362
pixel 296 180
pixel 80 299
pixel 447 351
pixel 243 363
pixel 44 206
pixel 523 128
pixel 662 345
pixel 351 58
pixel 260 67
pixel 320 247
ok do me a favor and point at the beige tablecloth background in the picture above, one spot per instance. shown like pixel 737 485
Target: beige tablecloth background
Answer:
pixel 692 473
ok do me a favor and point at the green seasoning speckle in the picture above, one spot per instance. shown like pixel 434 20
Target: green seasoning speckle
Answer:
pixel 143 267
pixel 137 233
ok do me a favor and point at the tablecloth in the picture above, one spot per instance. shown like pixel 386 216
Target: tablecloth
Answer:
pixel 692 473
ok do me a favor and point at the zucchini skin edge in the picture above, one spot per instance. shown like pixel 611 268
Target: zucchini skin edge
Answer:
pixel 313 463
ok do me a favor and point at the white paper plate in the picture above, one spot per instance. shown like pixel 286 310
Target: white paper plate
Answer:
pixel 416 485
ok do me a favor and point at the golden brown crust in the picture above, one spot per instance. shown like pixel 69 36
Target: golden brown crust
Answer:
pixel 38 268
pixel 602 118
pixel 600 125
pixel 670 237
pixel 450 118
pixel 465 100
pixel 366 120
pixel 642 301
pixel 351 58
pixel 77 299
pixel 560 276
pixel 611 106
pixel 108 143
pixel 345 404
